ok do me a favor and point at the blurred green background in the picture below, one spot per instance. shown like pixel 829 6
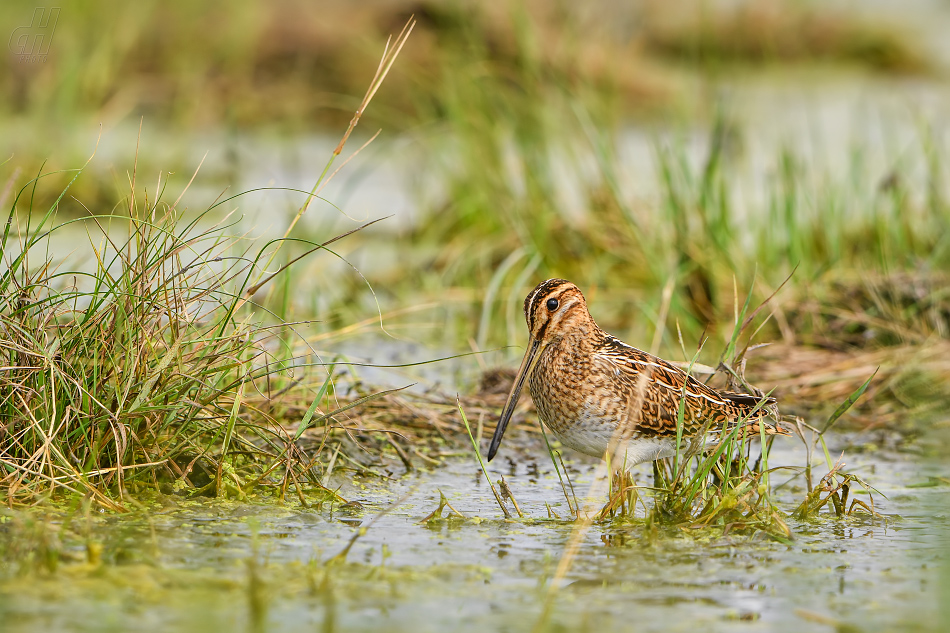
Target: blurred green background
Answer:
pixel 670 158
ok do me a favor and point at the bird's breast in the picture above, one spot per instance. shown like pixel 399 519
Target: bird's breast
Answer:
pixel 572 403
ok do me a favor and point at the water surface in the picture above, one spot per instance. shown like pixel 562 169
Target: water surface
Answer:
pixel 191 565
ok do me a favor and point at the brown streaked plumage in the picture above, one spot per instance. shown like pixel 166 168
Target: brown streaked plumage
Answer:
pixel 596 393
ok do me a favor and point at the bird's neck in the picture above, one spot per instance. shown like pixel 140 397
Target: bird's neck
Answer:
pixel 580 339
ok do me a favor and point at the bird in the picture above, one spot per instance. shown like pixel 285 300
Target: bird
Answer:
pixel 601 396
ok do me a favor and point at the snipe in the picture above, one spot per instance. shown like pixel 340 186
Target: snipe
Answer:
pixel 596 393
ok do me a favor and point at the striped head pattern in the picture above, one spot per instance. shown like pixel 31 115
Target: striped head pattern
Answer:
pixel 553 308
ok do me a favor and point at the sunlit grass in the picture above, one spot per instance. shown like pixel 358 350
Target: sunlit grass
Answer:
pixel 141 368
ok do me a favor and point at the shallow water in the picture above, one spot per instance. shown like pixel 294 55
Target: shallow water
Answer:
pixel 206 564
pixel 187 566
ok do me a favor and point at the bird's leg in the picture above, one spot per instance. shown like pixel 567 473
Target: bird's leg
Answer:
pixel 630 495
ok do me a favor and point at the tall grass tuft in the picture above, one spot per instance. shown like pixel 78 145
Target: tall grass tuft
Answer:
pixel 138 368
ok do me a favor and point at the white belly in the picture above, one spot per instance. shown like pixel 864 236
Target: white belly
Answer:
pixel 591 436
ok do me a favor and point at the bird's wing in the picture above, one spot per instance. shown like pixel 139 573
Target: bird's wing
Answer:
pixel 655 390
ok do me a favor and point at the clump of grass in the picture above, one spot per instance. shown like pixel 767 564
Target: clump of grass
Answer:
pixel 726 484
pixel 868 309
pixel 727 487
pixel 836 486
pixel 908 393
pixel 720 483
pixel 138 368
pixel 154 366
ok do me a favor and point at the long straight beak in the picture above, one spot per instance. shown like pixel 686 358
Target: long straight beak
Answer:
pixel 527 364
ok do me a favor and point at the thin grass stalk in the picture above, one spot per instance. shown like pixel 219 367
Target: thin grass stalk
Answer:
pixel 481 462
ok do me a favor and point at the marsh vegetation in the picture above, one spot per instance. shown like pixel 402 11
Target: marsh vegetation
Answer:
pixel 234 380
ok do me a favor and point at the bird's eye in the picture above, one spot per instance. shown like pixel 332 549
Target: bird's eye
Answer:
pixel 552 304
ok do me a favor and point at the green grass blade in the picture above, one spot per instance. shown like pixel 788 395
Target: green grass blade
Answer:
pixel 481 462
pixel 848 403
pixel 305 421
